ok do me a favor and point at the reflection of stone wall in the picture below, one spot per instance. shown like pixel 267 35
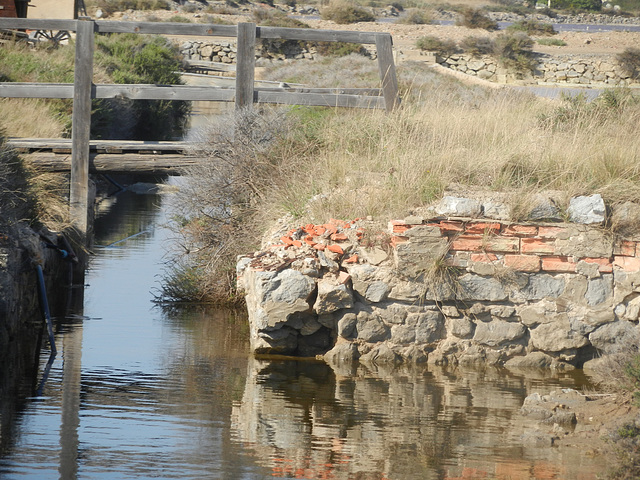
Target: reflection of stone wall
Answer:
pixel 449 289
pixel 304 420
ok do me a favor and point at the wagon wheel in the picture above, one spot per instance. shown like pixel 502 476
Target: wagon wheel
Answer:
pixel 55 37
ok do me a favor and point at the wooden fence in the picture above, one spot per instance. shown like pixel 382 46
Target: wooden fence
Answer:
pixel 83 90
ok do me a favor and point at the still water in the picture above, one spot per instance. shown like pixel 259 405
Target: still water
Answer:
pixel 140 392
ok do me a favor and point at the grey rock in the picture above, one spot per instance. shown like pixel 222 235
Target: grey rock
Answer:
pixel 403 334
pixel 545 209
pixel 497 210
pixel 342 352
pixel 381 355
pixel 587 209
pixel 556 337
pixel 478 288
pixel 332 296
pixel 599 290
pixel 347 324
pixel 377 291
pixel 543 286
pixel 429 326
pixel 615 337
pixel 370 328
pixel 531 360
pixel 461 327
pixel 498 332
pixel 459 207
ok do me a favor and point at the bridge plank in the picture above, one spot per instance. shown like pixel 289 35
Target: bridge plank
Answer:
pixel 105 145
pixel 122 163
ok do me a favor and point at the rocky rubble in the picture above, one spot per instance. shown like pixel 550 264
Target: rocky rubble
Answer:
pixel 447 289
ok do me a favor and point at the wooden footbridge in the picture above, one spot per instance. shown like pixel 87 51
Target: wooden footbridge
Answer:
pixel 81 156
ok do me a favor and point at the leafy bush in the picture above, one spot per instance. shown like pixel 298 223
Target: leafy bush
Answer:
pixel 578 5
pixel 343 13
pixel 514 51
pixel 416 17
pixel 178 19
pixel 273 18
pixel 339 49
pixel 474 18
pixel 477 46
pixel 132 58
pixel 629 60
pixel 532 27
pixel 444 48
pixel 551 42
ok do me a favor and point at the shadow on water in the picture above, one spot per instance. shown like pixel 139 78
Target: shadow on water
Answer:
pixel 142 392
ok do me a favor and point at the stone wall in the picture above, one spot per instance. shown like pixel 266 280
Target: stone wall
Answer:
pixel 594 70
pixel 447 289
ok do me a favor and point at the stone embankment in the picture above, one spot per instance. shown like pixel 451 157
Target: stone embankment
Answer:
pixel 462 286
pixel 581 70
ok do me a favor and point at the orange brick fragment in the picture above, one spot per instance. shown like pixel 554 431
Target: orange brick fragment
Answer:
pixel 309 240
pixel 450 226
pixel 480 243
pixel 335 249
pixel 319 230
pixel 467 244
pixel 625 247
pixel 604 265
pixel 309 228
pixel 627 264
pixel 554 263
pixel 482 227
pixel 297 243
pixel 538 245
pixel 352 259
pixel 396 240
pixel 523 263
pixel 330 228
pixel 484 257
pixel 520 230
pixel 339 237
pixel 286 240
pixel 320 246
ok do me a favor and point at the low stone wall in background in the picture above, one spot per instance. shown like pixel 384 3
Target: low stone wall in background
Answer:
pixel 449 289
pixel 594 70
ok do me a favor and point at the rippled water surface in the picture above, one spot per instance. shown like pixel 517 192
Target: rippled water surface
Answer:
pixel 142 392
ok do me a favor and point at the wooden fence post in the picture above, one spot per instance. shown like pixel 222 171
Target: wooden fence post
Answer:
pixel 81 126
pixel 245 64
pixel 387 69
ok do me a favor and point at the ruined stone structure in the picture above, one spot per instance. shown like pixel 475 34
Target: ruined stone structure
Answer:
pixel 463 286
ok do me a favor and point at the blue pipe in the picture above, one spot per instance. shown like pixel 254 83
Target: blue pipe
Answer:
pixel 45 308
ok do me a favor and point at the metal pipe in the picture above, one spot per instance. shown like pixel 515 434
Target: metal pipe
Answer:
pixel 44 303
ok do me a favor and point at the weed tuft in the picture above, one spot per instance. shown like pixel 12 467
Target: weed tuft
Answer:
pixel 343 12
pixel 474 18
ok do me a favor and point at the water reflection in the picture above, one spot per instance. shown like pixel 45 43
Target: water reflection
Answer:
pixel 304 421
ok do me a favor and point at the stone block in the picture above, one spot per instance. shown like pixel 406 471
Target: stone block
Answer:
pixel 461 327
pixel 599 290
pixel 523 263
pixel 459 207
pixel 542 286
pixel 498 332
pixel 557 336
pixel 587 209
pixel 478 288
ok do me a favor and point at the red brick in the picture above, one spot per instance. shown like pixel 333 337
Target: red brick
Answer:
pixel 555 263
pixel 319 230
pixel 537 245
pixel 449 226
pixel 523 263
pixel 400 228
pixel 309 240
pixel 627 264
pixel 397 239
pixel 520 231
pixel 286 240
pixel 335 249
pixel 320 246
pixel 484 257
pixel 297 243
pixel 604 265
pixel 550 232
pixel 483 227
pixel 467 244
pixel 626 248
pixel 339 237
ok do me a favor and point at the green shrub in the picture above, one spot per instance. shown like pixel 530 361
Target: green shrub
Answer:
pixel 532 27
pixel 416 17
pixel 514 52
pixel 477 46
pixel 274 18
pixel 343 13
pixel 178 19
pixel 551 42
pixel 474 18
pixel 132 58
pixel 578 5
pixel 444 48
pixel 629 60
pixel 339 49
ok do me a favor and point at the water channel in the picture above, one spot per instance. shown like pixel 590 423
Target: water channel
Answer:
pixel 140 392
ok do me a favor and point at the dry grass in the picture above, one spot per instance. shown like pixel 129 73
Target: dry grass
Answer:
pixel 29 118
